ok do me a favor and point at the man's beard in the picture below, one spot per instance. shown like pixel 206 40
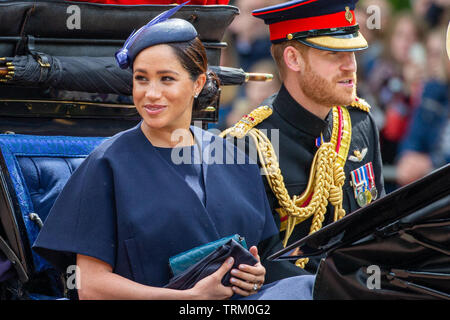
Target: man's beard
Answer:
pixel 324 92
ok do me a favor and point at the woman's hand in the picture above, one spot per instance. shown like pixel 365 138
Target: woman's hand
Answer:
pixel 211 287
pixel 248 278
pixel 97 281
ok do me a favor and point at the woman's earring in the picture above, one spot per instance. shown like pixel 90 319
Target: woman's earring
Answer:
pixel 196 96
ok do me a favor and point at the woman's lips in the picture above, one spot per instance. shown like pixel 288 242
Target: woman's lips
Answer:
pixel 154 109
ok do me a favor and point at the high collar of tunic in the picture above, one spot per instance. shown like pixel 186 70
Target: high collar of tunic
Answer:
pixel 294 113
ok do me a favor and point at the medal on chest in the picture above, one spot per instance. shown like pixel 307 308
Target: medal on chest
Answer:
pixel 363 183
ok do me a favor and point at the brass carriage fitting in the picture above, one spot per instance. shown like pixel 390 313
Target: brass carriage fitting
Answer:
pixel 43 64
pixel 258 77
pixel 209 109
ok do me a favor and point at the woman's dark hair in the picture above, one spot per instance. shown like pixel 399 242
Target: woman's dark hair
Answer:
pixel 192 56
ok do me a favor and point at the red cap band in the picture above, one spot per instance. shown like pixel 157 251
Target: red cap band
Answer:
pixel 280 30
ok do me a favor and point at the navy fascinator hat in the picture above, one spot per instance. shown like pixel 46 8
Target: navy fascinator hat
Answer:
pixel 158 31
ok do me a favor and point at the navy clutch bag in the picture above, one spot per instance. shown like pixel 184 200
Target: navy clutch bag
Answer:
pixel 184 260
pixel 209 264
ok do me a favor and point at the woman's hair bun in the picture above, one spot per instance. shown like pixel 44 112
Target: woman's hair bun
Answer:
pixel 210 94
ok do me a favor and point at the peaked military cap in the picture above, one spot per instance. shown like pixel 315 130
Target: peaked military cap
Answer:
pixel 321 24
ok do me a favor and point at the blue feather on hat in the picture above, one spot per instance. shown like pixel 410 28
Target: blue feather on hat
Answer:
pixel 122 57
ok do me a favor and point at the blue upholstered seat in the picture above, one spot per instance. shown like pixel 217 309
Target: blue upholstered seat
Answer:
pixel 36 169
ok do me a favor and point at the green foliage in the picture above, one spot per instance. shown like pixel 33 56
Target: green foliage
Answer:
pixel 401 4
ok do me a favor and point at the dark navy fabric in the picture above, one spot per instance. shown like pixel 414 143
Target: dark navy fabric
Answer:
pixel 294 288
pixel 128 207
pixel 191 171
pixel 39 166
pixel 171 30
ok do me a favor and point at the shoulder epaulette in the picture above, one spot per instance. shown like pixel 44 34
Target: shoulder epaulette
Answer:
pixel 361 104
pixel 243 126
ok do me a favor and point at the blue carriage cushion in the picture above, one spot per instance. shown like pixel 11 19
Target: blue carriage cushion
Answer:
pixel 6 268
pixel 39 167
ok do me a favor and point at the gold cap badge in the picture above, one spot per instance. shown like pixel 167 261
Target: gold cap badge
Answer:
pixel 348 15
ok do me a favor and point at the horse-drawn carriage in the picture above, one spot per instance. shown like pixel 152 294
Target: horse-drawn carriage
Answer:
pixel 62 95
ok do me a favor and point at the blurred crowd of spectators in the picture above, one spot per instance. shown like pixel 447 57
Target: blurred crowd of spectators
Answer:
pixel 404 75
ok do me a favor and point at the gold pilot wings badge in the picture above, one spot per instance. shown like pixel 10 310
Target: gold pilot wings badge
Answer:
pixel 358 156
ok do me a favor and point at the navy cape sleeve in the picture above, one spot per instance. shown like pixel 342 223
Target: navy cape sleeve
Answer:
pixel 270 228
pixel 82 219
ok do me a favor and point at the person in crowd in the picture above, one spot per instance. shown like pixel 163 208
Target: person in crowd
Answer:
pixel 324 159
pixel 249 38
pixel 162 188
pixel 373 17
pixel 396 81
pixel 427 144
pixel 430 12
pixel 255 92
pixel 370 21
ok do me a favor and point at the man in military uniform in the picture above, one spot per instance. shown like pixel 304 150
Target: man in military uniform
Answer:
pixel 328 162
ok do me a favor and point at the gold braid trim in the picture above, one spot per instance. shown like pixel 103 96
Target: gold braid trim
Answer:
pixel 361 104
pixel 325 181
pixel 240 129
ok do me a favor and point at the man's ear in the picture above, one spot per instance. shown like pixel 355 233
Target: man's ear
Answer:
pixel 292 59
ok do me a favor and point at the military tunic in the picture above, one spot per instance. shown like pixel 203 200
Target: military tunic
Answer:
pixel 297 130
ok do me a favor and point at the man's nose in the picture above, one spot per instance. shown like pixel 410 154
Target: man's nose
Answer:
pixel 348 61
